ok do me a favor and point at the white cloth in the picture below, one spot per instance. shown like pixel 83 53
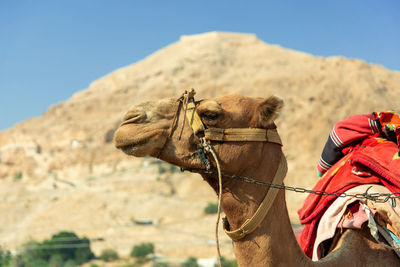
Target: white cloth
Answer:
pixel 333 215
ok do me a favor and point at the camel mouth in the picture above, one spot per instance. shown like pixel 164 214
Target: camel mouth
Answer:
pixel 138 148
pixel 133 150
pixel 136 143
pixel 130 143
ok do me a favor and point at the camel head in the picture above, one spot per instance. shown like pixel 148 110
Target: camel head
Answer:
pixel 159 129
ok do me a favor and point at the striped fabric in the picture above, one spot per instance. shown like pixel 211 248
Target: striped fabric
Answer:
pixel 373 125
pixel 350 131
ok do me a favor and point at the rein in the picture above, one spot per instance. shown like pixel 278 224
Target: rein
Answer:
pixel 376 197
pixel 229 135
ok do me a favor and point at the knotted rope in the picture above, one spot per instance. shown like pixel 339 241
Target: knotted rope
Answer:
pixel 208 148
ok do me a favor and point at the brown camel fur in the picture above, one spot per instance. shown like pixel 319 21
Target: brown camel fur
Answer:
pixel 145 131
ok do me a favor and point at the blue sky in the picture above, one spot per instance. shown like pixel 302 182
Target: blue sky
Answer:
pixel 51 49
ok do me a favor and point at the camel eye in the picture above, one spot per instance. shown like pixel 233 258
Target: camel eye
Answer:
pixel 209 116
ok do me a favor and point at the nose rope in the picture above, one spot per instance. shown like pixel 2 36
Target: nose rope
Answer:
pixel 207 147
pixel 175 120
pixel 184 100
pixel 185 97
pixel 171 128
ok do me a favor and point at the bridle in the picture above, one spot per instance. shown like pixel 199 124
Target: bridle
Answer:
pixel 221 135
pixel 230 135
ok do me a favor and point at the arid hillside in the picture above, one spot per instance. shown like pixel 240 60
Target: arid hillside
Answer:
pixel 61 171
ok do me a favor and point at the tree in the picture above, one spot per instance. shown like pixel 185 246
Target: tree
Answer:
pixel 64 248
pixel 5 257
pixel 211 208
pixel 142 250
pixel 109 255
pixel 190 262
pixel 227 263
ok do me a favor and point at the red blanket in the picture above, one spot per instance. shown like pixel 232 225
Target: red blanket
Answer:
pixel 375 161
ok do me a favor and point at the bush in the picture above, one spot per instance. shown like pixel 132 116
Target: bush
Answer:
pixel 227 263
pixel 139 262
pixel 211 208
pixel 109 255
pixel 173 168
pixel 56 261
pixel 63 249
pixel 70 247
pixel 161 169
pixel 190 262
pixel 164 167
pixel 142 250
pixel 35 263
pixel 160 264
pixel 70 263
pixel 30 252
pixel 19 176
pixel 5 257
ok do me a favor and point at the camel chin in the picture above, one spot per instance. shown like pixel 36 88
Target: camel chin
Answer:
pixel 136 150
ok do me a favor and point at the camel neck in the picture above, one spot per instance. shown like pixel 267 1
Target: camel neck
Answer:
pixel 273 243
pixel 274 239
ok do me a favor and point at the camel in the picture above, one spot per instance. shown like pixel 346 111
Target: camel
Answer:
pixel 160 129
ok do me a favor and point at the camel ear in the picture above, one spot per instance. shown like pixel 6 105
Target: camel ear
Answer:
pixel 269 110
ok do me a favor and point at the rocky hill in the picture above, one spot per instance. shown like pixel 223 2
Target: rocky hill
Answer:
pixel 61 171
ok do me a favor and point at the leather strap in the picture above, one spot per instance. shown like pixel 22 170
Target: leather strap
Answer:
pixel 230 134
pixel 243 134
pixel 251 224
pixel 193 118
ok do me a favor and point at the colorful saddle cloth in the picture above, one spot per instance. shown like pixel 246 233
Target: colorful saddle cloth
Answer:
pixel 389 124
pixel 375 161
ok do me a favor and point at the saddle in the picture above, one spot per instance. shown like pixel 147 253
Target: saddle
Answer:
pixel 376 161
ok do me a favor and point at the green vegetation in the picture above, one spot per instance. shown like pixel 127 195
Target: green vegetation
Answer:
pixel 172 168
pixel 161 169
pixel 142 250
pixel 211 208
pixel 227 263
pixel 109 255
pixel 5 257
pixel 69 263
pixel 64 249
pixel 18 176
pixel 139 262
pixel 164 167
pixel 190 262
pixel 160 264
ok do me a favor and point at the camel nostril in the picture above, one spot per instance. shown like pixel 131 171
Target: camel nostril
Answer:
pixel 134 116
